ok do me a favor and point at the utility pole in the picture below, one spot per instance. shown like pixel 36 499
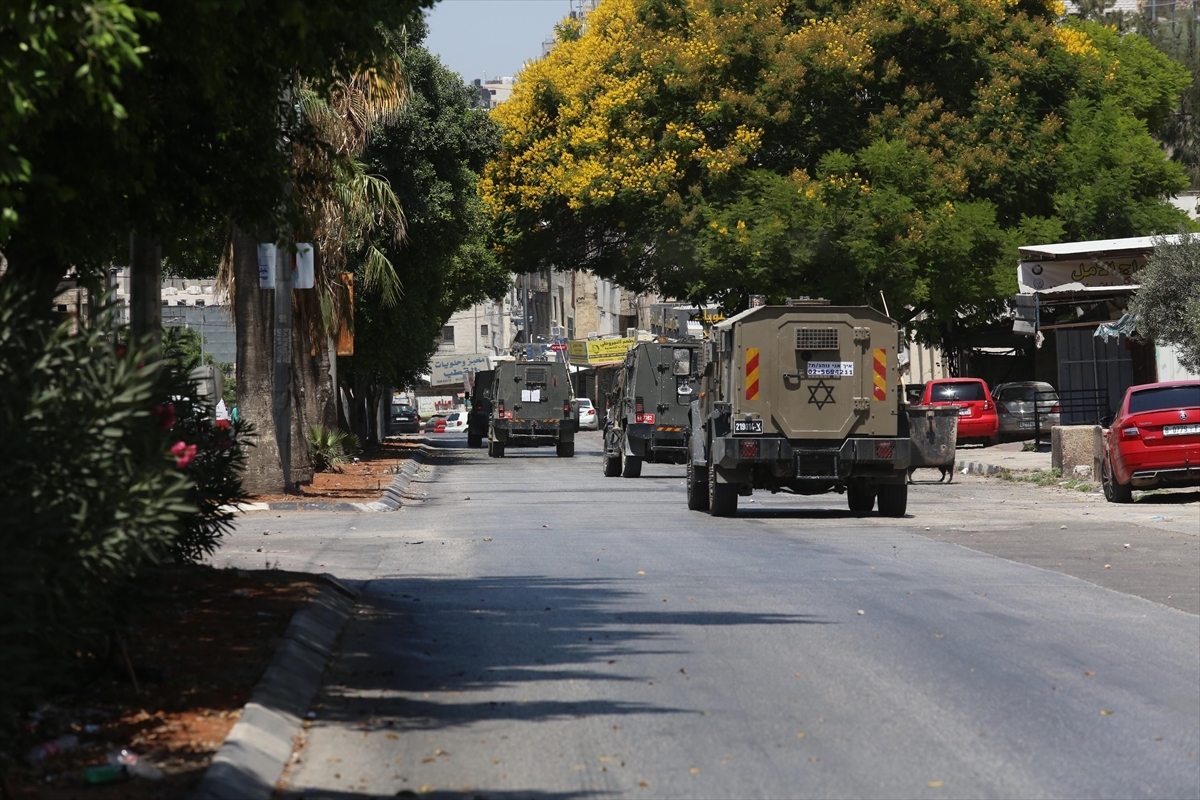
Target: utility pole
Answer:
pixel 281 384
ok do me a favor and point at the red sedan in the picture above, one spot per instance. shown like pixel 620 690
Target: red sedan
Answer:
pixel 1154 440
pixel 977 417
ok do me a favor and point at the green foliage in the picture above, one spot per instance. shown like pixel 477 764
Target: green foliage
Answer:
pixel 214 471
pixel 165 142
pixel 431 154
pixel 89 492
pixel 714 150
pixel 331 449
pixel 1167 303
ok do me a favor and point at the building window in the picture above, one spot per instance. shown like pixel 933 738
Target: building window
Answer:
pixel 448 334
pixel 483 330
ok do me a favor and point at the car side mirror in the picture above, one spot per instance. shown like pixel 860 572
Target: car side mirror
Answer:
pixel 1106 420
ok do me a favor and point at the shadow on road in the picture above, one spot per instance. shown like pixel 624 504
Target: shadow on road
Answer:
pixel 419 653
pixel 437 794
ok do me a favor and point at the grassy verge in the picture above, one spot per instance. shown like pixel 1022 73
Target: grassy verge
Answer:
pixel 1048 477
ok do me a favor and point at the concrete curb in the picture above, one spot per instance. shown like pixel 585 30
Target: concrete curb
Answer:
pixel 257 750
pixel 393 496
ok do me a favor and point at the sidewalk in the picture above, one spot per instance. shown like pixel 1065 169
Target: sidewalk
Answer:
pixel 1008 456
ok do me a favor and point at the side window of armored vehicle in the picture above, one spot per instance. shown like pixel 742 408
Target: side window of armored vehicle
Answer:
pixel 536 379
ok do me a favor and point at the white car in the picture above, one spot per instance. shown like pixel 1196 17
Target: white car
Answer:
pixel 589 420
pixel 456 422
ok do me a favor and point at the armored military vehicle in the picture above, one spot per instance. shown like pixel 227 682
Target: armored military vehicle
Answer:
pixel 533 405
pixel 648 416
pixel 801 398
pixel 480 412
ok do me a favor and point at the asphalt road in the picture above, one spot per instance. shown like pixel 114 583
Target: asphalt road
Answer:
pixel 532 629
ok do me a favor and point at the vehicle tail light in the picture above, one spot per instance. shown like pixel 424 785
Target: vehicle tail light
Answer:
pixel 1056 409
pixel 986 405
pixel 749 448
pixel 1130 433
pixel 884 450
pixel 637 405
pixel 566 408
pixel 1001 408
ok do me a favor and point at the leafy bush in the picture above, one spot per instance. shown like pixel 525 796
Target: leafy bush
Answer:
pixel 332 449
pixel 211 453
pixel 89 492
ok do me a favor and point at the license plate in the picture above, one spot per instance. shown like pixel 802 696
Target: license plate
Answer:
pixel 1026 424
pixel 1181 430
pixel 747 427
pixel 964 412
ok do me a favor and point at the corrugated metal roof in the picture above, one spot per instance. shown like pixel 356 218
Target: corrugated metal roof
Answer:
pixel 1052 252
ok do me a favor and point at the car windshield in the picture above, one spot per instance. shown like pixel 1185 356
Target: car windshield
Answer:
pixel 1164 398
pixel 585 403
pixel 951 392
pixel 1042 394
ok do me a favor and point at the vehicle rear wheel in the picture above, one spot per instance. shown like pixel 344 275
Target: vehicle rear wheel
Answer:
pixel 697 487
pixel 860 496
pixel 1114 490
pixel 631 466
pixel 474 440
pixel 893 499
pixel 565 449
pixel 612 465
pixel 722 497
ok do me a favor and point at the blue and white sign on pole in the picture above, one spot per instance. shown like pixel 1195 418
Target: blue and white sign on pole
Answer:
pixel 266 266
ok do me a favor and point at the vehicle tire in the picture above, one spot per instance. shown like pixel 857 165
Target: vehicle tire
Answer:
pixel 612 465
pixel 1114 491
pixel 631 466
pixel 860 496
pixel 474 440
pixel 565 449
pixel 697 487
pixel 722 497
pixel 893 499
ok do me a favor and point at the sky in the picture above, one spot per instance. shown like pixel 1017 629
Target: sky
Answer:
pixel 491 38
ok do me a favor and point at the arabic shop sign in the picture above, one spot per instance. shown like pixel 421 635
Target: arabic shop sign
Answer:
pixel 598 352
pixel 450 370
pixel 1038 276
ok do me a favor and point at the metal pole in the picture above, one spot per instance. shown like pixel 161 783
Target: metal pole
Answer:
pixel 281 384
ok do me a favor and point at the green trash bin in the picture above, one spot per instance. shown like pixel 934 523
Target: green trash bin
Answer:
pixel 934 434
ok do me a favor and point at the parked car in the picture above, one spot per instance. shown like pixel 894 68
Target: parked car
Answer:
pixel 977 419
pixel 456 422
pixel 589 420
pixel 1153 441
pixel 404 419
pixel 1015 404
pixel 436 424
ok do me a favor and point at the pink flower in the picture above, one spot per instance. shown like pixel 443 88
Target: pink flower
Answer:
pixel 166 416
pixel 184 453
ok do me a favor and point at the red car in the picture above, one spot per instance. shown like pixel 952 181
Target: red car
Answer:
pixel 1154 440
pixel 977 417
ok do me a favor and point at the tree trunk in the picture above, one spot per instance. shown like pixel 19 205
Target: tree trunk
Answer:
pixel 145 291
pixel 306 393
pixel 253 309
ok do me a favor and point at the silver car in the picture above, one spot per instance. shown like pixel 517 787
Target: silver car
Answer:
pixel 1015 404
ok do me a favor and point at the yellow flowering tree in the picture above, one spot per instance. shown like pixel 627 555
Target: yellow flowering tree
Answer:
pixel 719 148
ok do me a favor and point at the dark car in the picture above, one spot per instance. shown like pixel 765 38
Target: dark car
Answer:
pixel 404 419
pixel 1016 404
pixel 1154 440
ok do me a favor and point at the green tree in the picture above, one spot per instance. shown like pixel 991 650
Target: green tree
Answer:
pixel 431 154
pixel 161 117
pixel 714 150
pixel 1167 303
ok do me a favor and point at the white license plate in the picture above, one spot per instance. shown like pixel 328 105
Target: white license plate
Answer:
pixel 1181 430
pixel 747 427
pixel 964 412
pixel 1026 424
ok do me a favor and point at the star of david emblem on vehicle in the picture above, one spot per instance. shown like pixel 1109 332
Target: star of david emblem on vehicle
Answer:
pixel 822 400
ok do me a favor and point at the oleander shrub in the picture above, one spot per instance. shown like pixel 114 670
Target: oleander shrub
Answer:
pixel 89 491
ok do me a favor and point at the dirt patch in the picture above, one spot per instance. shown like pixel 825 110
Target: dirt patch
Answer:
pixel 364 481
pixel 199 640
